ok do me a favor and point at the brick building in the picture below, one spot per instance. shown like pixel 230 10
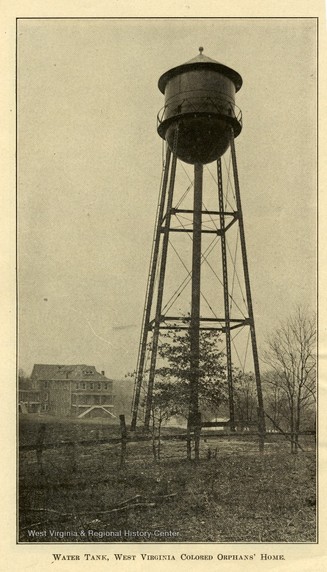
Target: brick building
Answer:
pixel 68 391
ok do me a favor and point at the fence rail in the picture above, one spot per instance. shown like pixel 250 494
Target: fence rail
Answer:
pixel 138 438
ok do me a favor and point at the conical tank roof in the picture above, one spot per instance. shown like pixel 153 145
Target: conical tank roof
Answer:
pixel 201 58
pixel 201 61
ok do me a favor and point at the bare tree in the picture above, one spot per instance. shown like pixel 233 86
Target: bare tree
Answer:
pixel 245 399
pixel 24 380
pixel 276 403
pixel 291 353
pixel 160 412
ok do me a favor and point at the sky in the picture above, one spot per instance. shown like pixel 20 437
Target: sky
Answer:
pixel 89 168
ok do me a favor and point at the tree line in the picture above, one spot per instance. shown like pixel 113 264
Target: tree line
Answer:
pixel 288 379
pixel 288 376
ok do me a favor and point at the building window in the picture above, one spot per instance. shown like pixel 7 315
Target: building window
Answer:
pixel 105 386
pixel 77 385
pixel 91 385
pixel 99 385
pixel 46 384
pixel 83 385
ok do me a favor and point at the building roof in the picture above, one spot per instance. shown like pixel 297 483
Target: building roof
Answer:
pixel 220 420
pixel 45 372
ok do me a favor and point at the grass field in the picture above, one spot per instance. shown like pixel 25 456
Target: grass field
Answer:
pixel 236 495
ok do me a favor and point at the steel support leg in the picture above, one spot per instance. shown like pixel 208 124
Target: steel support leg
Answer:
pixel 226 296
pixel 149 295
pixel 194 415
pixel 155 338
pixel 261 415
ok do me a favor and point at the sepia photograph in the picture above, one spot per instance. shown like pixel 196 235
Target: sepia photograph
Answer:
pixel 167 281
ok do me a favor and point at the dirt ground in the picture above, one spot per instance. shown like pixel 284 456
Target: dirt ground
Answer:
pixel 234 494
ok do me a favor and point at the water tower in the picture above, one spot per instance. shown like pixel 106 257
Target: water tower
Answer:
pixel 198 123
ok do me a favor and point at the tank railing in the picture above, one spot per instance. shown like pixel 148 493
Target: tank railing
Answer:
pixel 200 105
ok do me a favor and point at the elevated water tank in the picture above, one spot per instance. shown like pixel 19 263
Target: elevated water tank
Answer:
pixel 200 100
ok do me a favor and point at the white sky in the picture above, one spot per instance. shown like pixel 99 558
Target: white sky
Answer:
pixel 89 166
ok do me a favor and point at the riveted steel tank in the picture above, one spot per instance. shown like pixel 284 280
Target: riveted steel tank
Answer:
pixel 200 101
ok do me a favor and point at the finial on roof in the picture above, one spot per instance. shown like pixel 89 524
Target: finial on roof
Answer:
pixel 201 50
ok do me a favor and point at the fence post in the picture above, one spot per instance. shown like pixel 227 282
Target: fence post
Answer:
pixel 188 443
pixel 73 456
pixel 197 435
pixel 123 431
pixel 39 447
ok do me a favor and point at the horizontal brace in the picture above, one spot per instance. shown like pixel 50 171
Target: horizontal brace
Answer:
pixel 181 319
pixel 206 328
pixel 187 328
pixel 239 323
pixel 190 211
pixel 218 232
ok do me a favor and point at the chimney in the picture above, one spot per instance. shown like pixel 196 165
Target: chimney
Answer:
pixel 102 373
